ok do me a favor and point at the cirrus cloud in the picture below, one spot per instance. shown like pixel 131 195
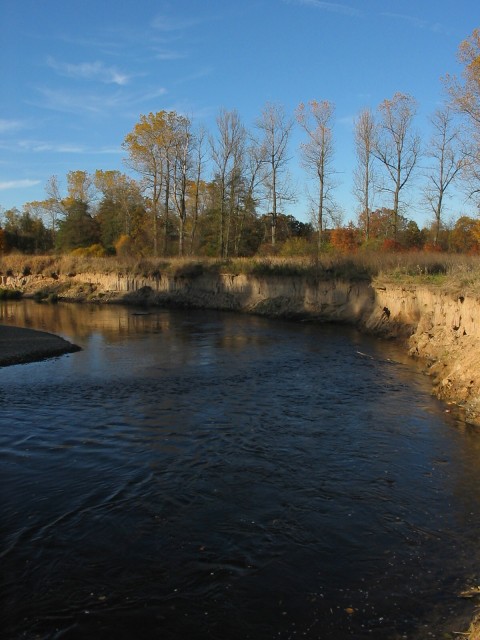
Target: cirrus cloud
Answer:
pixel 332 7
pixel 18 184
pixel 89 71
pixel 6 126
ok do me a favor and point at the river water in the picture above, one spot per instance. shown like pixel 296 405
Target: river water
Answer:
pixel 196 474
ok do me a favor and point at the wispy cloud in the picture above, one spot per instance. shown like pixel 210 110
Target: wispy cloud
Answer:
pixel 94 103
pixel 333 7
pixel 89 71
pixel 18 184
pixel 170 55
pixel 8 126
pixel 165 23
pixel 415 22
pixel 195 75
pixel 38 146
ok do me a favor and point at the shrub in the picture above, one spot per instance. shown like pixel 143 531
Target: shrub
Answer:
pixel 10 294
pixel 94 250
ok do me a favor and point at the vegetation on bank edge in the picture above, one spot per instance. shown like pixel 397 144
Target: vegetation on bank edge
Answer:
pixel 448 271
pixel 473 632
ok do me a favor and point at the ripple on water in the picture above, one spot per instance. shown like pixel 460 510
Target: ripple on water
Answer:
pixel 239 478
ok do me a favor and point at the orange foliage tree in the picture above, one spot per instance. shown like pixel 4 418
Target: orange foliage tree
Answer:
pixel 345 239
pixel 465 235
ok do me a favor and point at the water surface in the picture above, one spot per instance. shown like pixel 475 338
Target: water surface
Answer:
pixel 208 475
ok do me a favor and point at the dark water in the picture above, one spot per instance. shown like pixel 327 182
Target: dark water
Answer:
pixel 207 475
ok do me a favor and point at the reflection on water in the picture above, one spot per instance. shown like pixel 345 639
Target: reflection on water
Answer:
pixel 208 475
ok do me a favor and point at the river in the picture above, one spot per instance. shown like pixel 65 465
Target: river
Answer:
pixel 198 474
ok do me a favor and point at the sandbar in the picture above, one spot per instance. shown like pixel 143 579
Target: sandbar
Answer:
pixel 19 345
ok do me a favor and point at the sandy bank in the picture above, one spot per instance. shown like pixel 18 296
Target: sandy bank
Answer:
pixel 27 345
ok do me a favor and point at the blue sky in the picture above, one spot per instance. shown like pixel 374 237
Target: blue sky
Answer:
pixel 75 76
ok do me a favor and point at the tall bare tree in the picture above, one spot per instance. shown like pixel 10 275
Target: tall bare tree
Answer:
pixel 448 159
pixel 318 152
pixel 181 170
pixel 397 146
pixel 275 128
pixel 251 182
pixel 54 203
pixel 365 178
pixel 227 149
pixel 199 154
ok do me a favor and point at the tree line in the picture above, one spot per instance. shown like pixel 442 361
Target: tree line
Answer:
pixel 228 192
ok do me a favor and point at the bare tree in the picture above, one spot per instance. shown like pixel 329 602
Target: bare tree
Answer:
pixel 318 153
pixel 226 151
pixel 181 169
pixel 199 162
pixel 251 182
pixel 54 203
pixel 365 178
pixel 448 160
pixel 397 147
pixel 275 128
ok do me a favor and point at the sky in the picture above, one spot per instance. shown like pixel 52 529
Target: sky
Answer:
pixel 76 76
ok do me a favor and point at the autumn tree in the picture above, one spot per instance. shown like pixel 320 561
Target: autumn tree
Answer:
pixel 465 94
pixel 345 239
pixel 447 160
pixel 397 147
pixel 412 237
pixel 25 231
pixel 465 235
pixel 275 129
pixel 120 192
pixel 78 228
pixel 147 146
pixel 381 223
pixel 317 153
pixel 365 178
pixel 80 187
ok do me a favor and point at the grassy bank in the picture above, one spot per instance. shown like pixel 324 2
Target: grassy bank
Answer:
pixel 450 271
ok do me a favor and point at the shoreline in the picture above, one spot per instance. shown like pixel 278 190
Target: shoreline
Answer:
pixel 19 345
pixel 436 326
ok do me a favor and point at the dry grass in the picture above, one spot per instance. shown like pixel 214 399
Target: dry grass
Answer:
pixel 446 270
pixel 473 632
